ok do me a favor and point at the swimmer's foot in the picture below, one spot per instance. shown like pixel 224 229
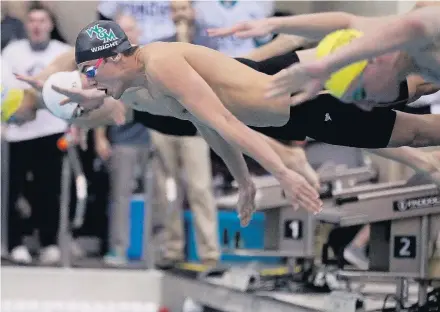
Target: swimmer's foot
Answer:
pixel 356 256
pixel 295 159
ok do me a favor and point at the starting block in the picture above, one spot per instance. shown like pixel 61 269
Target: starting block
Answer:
pixel 291 234
pixel 405 227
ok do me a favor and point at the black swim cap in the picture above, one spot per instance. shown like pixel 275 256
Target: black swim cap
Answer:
pixel 100 39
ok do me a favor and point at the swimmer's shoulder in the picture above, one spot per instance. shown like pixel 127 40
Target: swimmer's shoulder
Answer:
pixel 160 52
pixel 162 48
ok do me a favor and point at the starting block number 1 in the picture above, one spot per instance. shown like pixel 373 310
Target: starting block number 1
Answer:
pixel 293 229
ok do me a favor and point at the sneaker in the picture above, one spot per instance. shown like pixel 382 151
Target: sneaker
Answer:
pixel 168 263
pixel 114 258
pixel 356 256
pixel 21 255
pixel 50 255
pixel 76 251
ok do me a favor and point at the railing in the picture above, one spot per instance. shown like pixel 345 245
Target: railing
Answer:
pixel 72 171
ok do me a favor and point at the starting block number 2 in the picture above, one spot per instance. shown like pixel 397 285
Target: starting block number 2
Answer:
pixel 404 247
pixel 293 229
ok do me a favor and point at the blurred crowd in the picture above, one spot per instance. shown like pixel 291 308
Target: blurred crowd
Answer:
pixel 117 158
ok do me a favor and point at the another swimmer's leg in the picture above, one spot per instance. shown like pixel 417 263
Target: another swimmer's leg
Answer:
pixel 355 252
pixel 427 163
pixel 415 130
pixel 295 159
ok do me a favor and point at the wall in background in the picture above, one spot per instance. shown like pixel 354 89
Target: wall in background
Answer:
pixel 73 15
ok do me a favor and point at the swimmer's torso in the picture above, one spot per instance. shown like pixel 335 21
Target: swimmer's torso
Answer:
pixel 240 88
pixel 141 99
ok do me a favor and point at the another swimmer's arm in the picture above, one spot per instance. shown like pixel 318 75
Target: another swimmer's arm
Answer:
pixel 100 133
pixel 411 31
pixel 422 4
pixel 280 45
pixel 64 62
pixel 181 81
pixel 314 26
pixel 108 113
pixel 33 99
pixel 230 154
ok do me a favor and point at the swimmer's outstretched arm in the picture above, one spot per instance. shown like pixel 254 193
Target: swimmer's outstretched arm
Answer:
pixel 311 26
pixel 236 164
pixel 32 100
pixel 410 32
pixel 63 62
pixel 421 4
pixel 111 112
pixel 180 81
pixel 279 46
pixel 314 26
pixel 232 156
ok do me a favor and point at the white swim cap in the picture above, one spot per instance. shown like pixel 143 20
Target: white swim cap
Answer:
pixel 52 98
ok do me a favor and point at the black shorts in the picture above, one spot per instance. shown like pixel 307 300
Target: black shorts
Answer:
pixel 328 120
pixel 165 125
pixel 324 119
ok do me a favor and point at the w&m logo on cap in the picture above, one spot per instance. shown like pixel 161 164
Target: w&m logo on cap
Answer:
pixel 105 35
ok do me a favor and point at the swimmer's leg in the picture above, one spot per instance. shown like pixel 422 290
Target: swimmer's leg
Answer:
pixel 425 162
pixel 415 130
pixel 295 159
pixel 355 252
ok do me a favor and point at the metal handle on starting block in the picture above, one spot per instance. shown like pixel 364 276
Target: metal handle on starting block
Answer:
pixel 148 244
pixel 64 236
pixel 71 164
pixel 81 187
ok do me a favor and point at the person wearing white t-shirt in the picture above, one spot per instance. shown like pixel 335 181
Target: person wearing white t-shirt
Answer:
pixel 216 14
pixel 153 17
pixel 33 145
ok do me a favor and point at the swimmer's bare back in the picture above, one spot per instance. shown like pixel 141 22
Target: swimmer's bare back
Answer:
pixel 239 88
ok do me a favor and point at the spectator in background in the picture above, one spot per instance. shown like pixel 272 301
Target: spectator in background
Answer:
pixel 33 147
pixel 125 147
pixel 192 153
pixel 213 14
pixel 153 17
pixel 12 28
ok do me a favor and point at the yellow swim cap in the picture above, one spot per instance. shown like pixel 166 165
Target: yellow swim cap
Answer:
pixel 341 80
pixel 11 101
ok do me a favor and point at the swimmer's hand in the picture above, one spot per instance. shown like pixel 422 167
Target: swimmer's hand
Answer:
pixel 79 135
pixel 103 148
pixel 250 29
pixel 299 192
pixel 89 99
pixel 302 81
pixel 246 203
pixel 32 81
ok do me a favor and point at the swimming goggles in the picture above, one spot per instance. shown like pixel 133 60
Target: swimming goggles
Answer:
pixel 93 70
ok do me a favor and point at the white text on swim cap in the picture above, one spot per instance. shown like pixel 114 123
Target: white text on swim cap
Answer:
pixel 101 33
pixel 104 46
